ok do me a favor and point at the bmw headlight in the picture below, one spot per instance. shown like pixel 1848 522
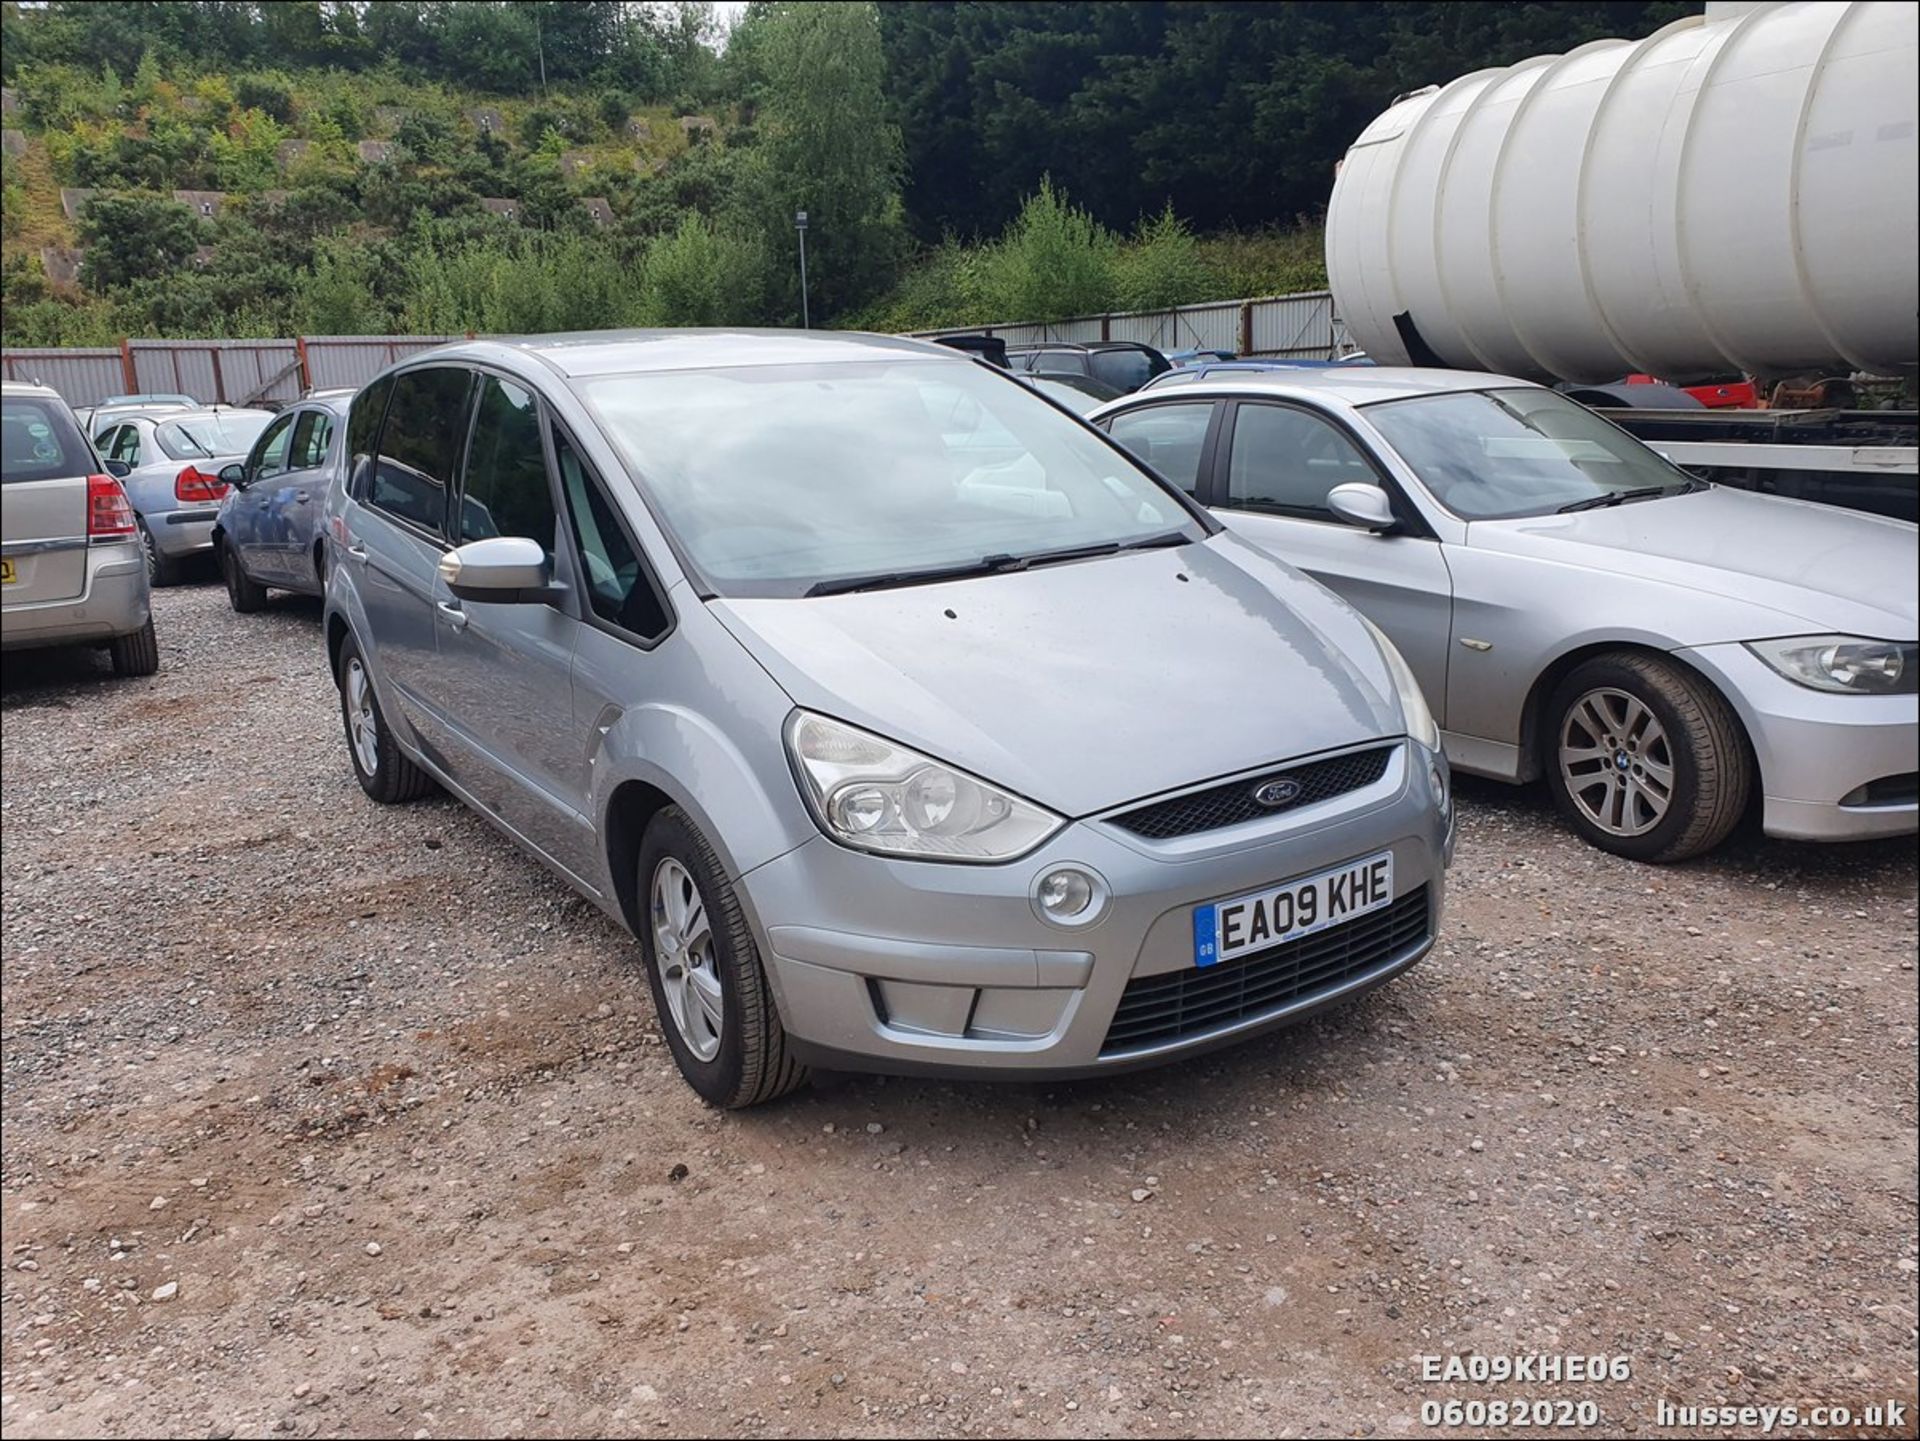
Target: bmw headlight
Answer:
pixel 1413 704
pixel 877 796
pixel 1844 664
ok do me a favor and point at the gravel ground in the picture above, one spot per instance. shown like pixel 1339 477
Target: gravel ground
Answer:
pixel 323 1119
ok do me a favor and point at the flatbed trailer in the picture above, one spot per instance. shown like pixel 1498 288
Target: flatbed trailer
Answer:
pixel 1862 459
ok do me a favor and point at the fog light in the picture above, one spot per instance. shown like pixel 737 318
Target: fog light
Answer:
pixel 1440 790
pixel 1069 896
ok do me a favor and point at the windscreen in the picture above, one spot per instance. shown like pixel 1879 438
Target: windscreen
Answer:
pixel 39 441
pixel 775 479
pixel 216 433
pixel 1495 454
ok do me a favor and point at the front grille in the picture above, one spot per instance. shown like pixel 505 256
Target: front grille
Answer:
pixel 1232 803
pixel 1157 1009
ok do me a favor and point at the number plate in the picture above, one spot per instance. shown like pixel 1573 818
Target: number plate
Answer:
pixel 1225 929
pixel 6 572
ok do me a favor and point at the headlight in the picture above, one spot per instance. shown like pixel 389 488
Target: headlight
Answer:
pixel 1413 704
pixel 1846 664
pixel 877 796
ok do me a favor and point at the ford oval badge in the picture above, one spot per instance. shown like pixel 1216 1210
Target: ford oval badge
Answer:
pixel 1274 794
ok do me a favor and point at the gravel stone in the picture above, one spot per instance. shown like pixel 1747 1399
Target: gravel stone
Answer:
pixel 222 962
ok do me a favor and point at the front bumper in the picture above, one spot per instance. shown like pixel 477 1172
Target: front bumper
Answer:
pixel 113 603
pixel 1819 753
pixel 178 533
pixel 925 968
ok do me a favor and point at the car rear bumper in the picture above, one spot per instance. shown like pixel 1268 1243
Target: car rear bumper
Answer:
pixel 113 603
pixel 1832 767
pixel 180 533
pixel 925 968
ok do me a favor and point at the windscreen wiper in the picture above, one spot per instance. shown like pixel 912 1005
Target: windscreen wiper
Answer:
pixel 1086 552
pixel 1000 564
pixel 1621 497
pixel 887 580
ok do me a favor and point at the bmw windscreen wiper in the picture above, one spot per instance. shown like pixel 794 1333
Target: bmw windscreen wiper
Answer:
pixel 987 565
pixel 1621 497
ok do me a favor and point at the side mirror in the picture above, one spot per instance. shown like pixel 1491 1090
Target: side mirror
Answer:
pixel 234 475
pixel 502 569
pixel 1367 506
pixel 118 469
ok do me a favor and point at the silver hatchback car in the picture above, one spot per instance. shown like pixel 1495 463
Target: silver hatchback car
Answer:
pixel 70 566
pixel 908 722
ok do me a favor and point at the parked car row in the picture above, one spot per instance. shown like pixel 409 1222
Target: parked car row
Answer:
pixel 913 723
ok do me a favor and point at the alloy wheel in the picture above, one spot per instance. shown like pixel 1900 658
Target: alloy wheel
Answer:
pixel 683 950
pixel 363 725
pixel 1616 762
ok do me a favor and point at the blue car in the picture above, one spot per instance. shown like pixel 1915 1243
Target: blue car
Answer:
pixel 270 532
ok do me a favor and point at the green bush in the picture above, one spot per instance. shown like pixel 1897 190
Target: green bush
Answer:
pixel 135 237
pixel 698 275
pixel 269 92
pixel 1162 267
pixel 1055 261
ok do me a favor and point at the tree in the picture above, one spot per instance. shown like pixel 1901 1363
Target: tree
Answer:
pixel 830 150
pixel 135 237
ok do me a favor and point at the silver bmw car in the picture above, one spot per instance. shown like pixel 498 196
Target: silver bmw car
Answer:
pixel 1668 654
pixel 907 722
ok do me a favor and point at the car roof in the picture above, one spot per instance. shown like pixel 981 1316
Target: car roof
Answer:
pixel 1354 385
pixel 1088 346
pixel 625 352
pixel 27 387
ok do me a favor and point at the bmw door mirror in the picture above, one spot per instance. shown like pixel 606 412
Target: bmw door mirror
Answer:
pixel 502 570
pixel 119 469
pixel 1366 506
pixel 234 475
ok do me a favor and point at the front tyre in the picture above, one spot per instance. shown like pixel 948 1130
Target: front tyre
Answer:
pixel 1645 759
pixel 709 987
pixel 383 772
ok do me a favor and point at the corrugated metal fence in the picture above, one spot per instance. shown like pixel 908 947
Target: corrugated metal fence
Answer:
pixel 1301 326
pixel 249 372
pixel 235 372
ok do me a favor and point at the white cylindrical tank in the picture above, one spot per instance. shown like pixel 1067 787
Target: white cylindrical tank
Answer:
pixel 1736 192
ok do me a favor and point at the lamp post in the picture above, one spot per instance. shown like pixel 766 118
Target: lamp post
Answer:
pixel 800 224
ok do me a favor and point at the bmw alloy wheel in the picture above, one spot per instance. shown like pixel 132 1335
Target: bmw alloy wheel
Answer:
pixel 1616 762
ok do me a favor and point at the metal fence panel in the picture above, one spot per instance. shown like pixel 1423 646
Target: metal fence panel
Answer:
pixel 234 372
pixel 337 360
pixel 1204 327
pixel 1298 325
pixel 82 377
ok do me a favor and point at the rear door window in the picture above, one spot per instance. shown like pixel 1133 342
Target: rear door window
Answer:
pixel 39 441
pixel 506 490
pixel 126 445
pixel 312 431
pixel 420 446
pixel 1170 438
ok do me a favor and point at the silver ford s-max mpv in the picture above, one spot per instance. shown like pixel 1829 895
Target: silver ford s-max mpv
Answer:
pixel 909 723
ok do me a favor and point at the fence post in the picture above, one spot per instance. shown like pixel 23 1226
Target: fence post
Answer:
pixel 1246 327
pixel 306 375
pixel 127 371
pixel 1106 327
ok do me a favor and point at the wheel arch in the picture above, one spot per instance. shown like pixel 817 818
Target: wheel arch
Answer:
pixel 633 804
pixel 1533 712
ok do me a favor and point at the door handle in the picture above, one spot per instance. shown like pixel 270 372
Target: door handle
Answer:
pixel 357 552
pixel 451 613
pixel 301 495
